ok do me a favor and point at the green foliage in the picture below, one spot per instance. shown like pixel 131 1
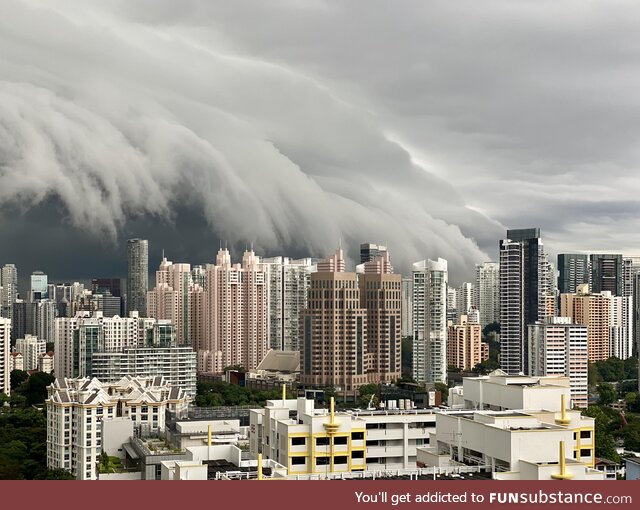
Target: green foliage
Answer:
pixel 365 393
pixel 23 451
pixel 607 394
pixel 34 389
pixel 223 394
pixel 494 327
pixel 17 378
pixel 607 427
pixel 613 370
pixel 485 367
pixel 55 474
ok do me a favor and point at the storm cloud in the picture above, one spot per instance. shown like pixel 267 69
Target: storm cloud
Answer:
pixel 428 126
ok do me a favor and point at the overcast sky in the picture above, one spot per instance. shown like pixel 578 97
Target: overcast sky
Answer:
pixel 430 126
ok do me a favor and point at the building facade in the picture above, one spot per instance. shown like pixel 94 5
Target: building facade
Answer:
pixel 430 279
pixel 138 275
pixel 5 353
pixel 464 344
pixel 31 348
pixel 574 269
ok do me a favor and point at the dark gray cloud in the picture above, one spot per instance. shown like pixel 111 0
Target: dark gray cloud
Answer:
pixel 428 125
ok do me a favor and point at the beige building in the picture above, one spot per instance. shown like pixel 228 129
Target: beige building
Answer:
pixel 464 344
pixel 45 362
pixel 334 346
pixel 381 296
pixel 593 311
pixel 5 354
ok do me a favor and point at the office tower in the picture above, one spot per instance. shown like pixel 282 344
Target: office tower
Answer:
pixel 380 295
pixel 110 287
pixel 488 292
pixel 19 321
pixel 39 286
pixel 606 273
pixel 5 362
pixel 430 280
pixel 593 311
pixel 523 287
pixel 237 311
pixel 79 409
pixel 407 307
pixel 31 348
pixel 8 289
pixel 288 283
pixel 371 251
pixel 138 275
pixel 560 347
pixel 170 298
pixel 334 349
pixel 464 344
pixel 574 270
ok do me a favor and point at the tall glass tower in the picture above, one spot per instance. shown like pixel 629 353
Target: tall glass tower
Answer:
pixel 138 275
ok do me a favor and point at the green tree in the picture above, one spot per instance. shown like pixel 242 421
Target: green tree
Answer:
pixel 606 394
pixel 17 378
pixel 493 327
pixel 34 389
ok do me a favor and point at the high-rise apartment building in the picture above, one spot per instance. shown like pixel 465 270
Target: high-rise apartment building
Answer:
pixel 334 348
pixel 8 289
pixel 606 273
pixel 31 348
pixel 370 251
pixel 381 297
pixel 557 346
pixel 407 307
pixel 488 292
pixel 464 298
pixel 574 269
pixel 138 275
pixel 593 311
pixel 237 312
pixel 288 281
pixel 524 285
pixel 169 299
pixel 464 344
pixel 5 353
pixel 430 279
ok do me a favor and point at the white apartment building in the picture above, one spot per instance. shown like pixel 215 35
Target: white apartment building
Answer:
pixel 319 441
pixel 430 320
pixel 559 347
pixel 76 407
pixel 5 362
pixel 46 363
pixel 407 307
pixel 288 281
pixel 16 361
pixel 488 292
pixel 31 348
pixel 176 364
pixel 78 338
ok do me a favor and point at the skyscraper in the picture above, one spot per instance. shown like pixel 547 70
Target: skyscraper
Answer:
pixel 488 292
pixel 606 273
pixel 407 307
pixel 39 286
pixel 334 348
pixel 430 279
pixel 574 271
pixel 524 282
pixel 370 251
pixel 138 275
pixel 9 289
pixel 5 341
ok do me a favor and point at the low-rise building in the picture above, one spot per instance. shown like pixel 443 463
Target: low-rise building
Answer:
pixel 16 361
pixel 309 440
pixel 46 362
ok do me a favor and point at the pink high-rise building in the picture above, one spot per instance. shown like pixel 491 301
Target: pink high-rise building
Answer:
pixel 236 311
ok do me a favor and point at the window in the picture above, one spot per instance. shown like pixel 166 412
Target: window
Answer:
pixel 357 454
pixel 322 461
pixel 298 461
pixel 322 441
pixel 585 434
pixel 298 441
pixel 585 452
pixel 342 459
pixel 341 440
pixel 357 436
